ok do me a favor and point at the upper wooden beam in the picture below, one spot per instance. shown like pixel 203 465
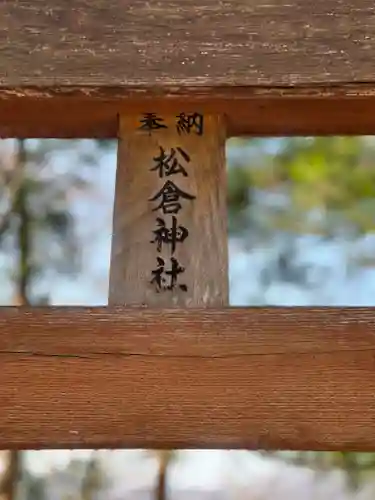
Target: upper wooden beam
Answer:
pixel 289 378
pixel 162 45
pixel 280 67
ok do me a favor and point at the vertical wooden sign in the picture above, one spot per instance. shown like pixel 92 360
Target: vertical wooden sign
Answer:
pixel 169 245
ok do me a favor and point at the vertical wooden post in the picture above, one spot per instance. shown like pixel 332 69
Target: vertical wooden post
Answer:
pixel 169 245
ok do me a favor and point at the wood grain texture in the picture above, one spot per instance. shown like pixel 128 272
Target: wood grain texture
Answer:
pixel 271 378
pixel 245 113
pixel 203 252
pixel 270 67
pixel 179 44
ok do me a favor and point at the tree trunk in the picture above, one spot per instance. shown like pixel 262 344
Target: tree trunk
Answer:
pixel 164 458
pixel 23 236
pixel 8 484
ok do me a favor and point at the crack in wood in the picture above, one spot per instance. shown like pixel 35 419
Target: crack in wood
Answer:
pixel 92 354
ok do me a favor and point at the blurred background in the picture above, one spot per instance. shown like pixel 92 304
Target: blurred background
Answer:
pixel 301 226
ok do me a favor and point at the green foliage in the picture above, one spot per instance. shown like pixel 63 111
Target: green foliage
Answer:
pixel 333 178
pixel 239 196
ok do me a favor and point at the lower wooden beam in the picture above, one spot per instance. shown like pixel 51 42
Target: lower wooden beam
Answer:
pixel 273 378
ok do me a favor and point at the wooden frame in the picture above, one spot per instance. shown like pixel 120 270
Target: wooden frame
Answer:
pixel 242 378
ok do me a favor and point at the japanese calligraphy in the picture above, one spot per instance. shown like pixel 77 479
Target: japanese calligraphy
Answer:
pixel 188 122
pixel 170 196
pixel 169 236
pixel 168 232
pixel 168 164
pixel 151 122
pixel 166 279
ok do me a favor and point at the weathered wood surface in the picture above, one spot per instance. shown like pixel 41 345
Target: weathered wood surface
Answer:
pixel 270 67
pixel 201 176
pixel 195 43
pixel 292 378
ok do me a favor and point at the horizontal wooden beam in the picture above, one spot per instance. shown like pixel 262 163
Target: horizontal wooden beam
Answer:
pixel 291 378
pixel 285 67
pixel 195 43
pixel 247 112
